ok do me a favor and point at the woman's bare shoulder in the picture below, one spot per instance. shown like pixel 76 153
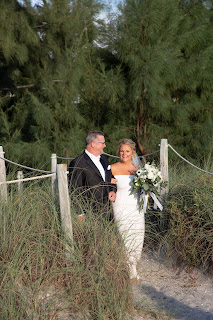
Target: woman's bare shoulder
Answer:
pixel 115 167
pixel 116 164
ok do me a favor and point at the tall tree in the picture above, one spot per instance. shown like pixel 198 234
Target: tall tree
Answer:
pixel 191 92
pixel 162 45
pixel 145 74
pixel 17 39
pixel 46 113
pixel 104 87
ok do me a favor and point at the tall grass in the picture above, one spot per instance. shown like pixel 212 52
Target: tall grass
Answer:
pixel 39 281
pixel 185 228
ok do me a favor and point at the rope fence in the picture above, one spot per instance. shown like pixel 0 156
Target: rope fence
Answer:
pixel 25 167
pixel 110 155
pixel 20 178
pixel 58 173
pixel 64 158
pixel 187 160
pixel 141 157
pixel 28 179
pixel 163 162
pixel 59 181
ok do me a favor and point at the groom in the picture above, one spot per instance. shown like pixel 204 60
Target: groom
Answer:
pixel 90 173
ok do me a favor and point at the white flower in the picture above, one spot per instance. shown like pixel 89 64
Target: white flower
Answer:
pixel 150 175
pixel 147 166
pixel 139 171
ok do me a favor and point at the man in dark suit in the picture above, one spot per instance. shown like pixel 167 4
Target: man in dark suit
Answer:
pixel 90 174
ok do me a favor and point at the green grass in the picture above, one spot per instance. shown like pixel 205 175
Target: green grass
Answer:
pixel 185 228
pixel 39 281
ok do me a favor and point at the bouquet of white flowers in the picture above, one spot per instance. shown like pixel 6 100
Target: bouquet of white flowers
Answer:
pixel 147 180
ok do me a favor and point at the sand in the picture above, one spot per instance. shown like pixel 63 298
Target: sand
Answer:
pixel 181 293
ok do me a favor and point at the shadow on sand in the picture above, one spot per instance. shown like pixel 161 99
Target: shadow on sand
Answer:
pixel 175 308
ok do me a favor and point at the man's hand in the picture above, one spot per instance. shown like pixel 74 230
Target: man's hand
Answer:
pixel 112 196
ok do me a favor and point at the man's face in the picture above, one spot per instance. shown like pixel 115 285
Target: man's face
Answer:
pixel 99 145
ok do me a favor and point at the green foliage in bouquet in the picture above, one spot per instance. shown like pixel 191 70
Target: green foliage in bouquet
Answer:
pixel 147 179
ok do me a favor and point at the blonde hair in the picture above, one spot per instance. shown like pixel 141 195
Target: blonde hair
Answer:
pixel 129 142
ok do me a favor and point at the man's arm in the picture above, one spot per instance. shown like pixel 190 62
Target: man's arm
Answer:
pixel 110 179
pixel 76 176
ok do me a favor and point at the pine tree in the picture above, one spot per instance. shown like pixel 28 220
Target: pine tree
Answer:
pixel 162 45
pixel 145 74
pixel 191 91
pixel 17 39
pixel 46 114
pixel 103 89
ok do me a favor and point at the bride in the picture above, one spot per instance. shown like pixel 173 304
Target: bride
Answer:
pixel 127 214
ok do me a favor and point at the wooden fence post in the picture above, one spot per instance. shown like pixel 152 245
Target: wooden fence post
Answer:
pixel 53 169
pixel 3 187
pixel 65 206
pixel 165 176
pixel 20 183
pixel 164 166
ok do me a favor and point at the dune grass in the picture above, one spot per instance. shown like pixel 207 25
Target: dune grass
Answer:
pixel 39 281
pixel 190 221
pixel 184 230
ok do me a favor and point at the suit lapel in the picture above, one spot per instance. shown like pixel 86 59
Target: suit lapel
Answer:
pixel 92 165
pixel 103 164
pixel 107 172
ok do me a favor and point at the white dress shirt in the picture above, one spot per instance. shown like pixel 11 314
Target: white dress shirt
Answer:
pixel 96 161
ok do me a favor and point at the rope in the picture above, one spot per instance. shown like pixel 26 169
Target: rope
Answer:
pixel 188 161
pixel 146 155
pixel 64 158
pixel 28 179
pixel 20 165
pixel 110 155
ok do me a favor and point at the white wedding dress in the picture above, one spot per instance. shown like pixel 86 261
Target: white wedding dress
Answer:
pixel 130 220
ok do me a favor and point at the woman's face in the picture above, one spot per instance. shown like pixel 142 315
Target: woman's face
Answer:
pixel 125 153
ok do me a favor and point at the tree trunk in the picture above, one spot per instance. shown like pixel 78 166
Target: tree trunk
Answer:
pixel 140 129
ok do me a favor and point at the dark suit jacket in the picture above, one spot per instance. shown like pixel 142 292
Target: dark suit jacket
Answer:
pixel 84 175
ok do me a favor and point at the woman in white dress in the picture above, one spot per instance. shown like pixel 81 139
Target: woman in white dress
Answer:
pixel 127 214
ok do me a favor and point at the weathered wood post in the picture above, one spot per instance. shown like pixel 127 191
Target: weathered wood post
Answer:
pixel 65 206
pixel 165 174
pixel 164 166
pixel 3 186
pixel 53 169
pixel 20 183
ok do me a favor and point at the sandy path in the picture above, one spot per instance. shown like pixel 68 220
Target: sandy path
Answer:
pixel 182 294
